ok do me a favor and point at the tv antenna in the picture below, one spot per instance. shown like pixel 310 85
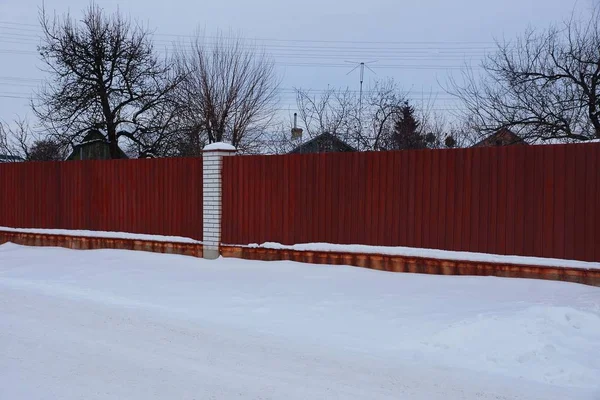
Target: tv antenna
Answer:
pixel 362 66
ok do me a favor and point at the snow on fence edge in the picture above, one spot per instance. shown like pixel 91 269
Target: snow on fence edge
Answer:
pixel 333 248
pixel 103 234
pixel 427 253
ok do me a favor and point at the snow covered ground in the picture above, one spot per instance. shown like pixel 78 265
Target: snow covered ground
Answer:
pixel 110 324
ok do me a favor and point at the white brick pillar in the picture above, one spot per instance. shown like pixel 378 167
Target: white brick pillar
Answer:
pixel 212 163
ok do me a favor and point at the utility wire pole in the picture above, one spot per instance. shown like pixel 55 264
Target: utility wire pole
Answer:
pixel 362 65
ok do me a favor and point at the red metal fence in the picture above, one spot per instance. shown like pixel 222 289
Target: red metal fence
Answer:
pixel 524 200
pixel 162 196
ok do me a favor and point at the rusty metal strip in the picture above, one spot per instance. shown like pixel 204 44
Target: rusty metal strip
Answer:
pixel 90 243
pixel 373 261
pixel 418 264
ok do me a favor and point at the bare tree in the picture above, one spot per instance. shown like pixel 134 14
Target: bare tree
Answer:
pixel 459 133
pixel 544 85
pixel 333 111
pixel 228 93
pixel 372 128
pixel 104 74
pixel 279 140
pixel 12 139
pixel 20 143
pixel 384 104
pixel 47 149
pixel 339 112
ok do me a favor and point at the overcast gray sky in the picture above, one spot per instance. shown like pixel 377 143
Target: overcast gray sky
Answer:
pixel 417 42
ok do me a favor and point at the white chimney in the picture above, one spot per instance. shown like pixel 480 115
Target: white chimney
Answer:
pixel 296 132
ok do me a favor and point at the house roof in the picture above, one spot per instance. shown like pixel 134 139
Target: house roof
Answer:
pixel 323 143
pixel 502 137
pixel 93 137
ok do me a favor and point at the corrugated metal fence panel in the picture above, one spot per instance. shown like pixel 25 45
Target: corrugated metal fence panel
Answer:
pixel 160 196
pixel 524 200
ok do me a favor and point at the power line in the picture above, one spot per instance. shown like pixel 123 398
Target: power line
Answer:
pixel 16 78
pixel 14 97
pixel 290 53
pixel 277 40
pixel 288 93
pixel 341 56
pixel 306 50
pixel 300 53
pixel 275 109
pixel 285 96
pixel 308 64
pixel 318 51
pixel 19 34
pixel 18 23
pixel 20 52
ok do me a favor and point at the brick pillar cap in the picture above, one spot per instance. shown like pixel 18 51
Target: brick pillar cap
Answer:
pixel 219 146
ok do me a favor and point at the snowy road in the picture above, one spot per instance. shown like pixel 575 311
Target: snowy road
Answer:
pixel 114 324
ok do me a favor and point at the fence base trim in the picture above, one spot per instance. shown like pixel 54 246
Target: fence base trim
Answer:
pixel 94 243
pixel 421 265
pixel 381 262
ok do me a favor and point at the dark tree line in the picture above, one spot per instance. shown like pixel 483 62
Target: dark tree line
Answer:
pixel 105 73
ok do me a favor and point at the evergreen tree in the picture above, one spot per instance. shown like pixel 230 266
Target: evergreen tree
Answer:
pixel 406 134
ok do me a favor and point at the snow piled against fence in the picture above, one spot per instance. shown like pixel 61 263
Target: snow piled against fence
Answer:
pixel 429 253
pixel 330 247
pixel 113 324
pixel 102 234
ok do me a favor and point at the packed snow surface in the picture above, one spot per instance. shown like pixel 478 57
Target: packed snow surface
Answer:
pixel 111 324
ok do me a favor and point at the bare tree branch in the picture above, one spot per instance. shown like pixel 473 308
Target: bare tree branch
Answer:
pixel 19 143
pixel 229 91
pixel 105 75
pixel 543 85
pixel 337 112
